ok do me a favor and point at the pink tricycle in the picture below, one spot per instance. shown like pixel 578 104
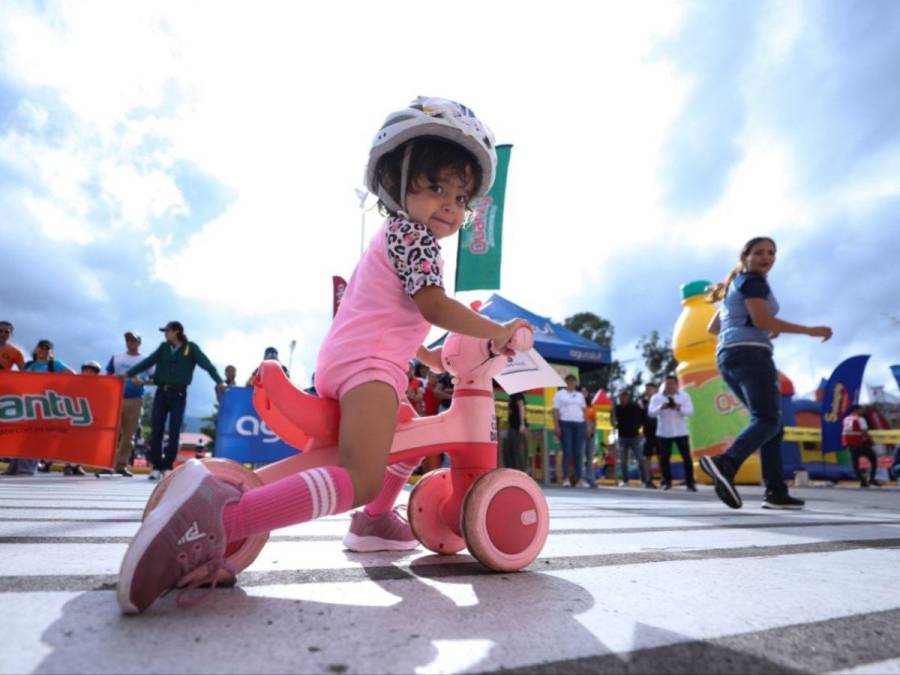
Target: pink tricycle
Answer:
pixel 499 514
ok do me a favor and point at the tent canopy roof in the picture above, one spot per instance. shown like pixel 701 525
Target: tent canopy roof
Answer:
pixel 553 341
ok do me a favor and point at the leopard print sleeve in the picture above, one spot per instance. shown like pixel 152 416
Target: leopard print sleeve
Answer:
pixel 415 254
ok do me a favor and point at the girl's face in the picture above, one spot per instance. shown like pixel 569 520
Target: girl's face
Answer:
pixel 440 205
pixel 761 257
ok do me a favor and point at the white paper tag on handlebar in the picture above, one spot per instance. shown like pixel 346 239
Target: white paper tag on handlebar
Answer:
pixel 528 370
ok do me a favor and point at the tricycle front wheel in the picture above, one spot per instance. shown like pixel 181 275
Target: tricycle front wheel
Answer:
pixel 505 520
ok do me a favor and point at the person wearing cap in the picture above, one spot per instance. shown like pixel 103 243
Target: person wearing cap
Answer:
pixel 271 354
pixel 43 360
pixel 175 360
pixel 132 402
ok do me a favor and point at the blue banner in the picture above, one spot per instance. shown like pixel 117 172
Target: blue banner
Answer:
pixel 242 436
pixel 841 392
pixel 896 371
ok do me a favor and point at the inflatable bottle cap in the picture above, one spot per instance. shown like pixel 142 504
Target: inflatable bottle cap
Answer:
pixel 689 290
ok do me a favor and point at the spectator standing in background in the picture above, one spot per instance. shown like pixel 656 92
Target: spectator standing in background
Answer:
pixel 132 402
pixel 271 354
pixel 175 360
pixel 670 407
pixel 855 437
pixel 515 450
pixel 568 418
pixel 10 355
pixel 431 405
pixel 43 360
pixel 651 443
pixel 230 376
pixel 590 438
pixel 444 391
pixel 628 417
pixel 415 391
pixel 430 400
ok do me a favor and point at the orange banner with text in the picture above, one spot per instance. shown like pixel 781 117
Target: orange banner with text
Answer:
pixel 60 416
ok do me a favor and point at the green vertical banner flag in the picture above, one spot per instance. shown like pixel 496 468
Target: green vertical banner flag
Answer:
pixel 481 243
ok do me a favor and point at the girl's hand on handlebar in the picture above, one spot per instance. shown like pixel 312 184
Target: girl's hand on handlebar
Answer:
pixel 500 343
pixel 823 332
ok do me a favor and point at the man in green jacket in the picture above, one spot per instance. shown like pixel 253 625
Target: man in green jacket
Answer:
pixel 175 360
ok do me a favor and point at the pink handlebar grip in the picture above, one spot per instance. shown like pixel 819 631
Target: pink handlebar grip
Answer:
pixel 522 339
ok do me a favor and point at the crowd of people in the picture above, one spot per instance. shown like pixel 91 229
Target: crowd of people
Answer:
pixel 643 429
pixel 169 368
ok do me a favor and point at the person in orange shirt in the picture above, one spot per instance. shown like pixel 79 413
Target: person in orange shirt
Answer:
pixel 10 355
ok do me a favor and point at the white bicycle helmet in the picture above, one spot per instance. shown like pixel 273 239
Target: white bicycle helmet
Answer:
pixel 427 116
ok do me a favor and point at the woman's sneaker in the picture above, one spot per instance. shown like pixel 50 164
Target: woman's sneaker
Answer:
pixel 722 472
pixel 184 535
pixel 387 532
pixel 782 501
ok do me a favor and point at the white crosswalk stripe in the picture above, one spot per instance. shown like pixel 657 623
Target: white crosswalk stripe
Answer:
pixel 629 581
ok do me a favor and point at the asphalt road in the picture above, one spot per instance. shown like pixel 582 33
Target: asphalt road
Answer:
pixel 631 581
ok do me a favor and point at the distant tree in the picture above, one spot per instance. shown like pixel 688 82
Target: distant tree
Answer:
pixel 146 415
pixel 209 426
pixel 597 329
pixel 658 356
pixel 593 327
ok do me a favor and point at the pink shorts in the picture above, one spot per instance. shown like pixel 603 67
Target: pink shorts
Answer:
pixel 337 381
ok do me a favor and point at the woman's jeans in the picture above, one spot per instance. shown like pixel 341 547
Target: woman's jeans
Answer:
pixel 572 439
pixel 750 373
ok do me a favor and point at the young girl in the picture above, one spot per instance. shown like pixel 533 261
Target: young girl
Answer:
pixel 428 162
pixel 745 324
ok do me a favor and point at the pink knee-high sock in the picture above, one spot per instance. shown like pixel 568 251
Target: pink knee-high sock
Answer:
pixel 295 499
pixel 395 477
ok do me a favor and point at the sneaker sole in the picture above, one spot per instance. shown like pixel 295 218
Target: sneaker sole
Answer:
pixel 782 507
pixel 724 490
pixel 359 544
pixel 177 493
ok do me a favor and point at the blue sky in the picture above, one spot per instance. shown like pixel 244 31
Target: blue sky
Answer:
pixel 197 162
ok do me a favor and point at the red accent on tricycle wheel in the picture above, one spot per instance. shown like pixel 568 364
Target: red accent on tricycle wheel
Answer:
pixel 505 520
pixel 424 512
pixel 238 554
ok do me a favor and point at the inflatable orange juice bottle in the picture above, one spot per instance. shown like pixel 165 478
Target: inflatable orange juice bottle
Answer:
pixel 718 415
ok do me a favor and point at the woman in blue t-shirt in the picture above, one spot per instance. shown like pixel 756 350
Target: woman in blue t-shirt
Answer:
pixel 746 324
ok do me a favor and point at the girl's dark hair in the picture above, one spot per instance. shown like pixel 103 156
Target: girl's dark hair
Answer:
pixel 430 156
pixel 718 291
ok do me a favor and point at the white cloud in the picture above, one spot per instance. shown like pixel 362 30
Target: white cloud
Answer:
pixel 278 104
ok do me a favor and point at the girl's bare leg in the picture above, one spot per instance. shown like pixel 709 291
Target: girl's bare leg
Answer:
pixel 368 420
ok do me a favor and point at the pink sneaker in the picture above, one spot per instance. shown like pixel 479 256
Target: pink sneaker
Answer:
pixel 184 535
pixel 387 532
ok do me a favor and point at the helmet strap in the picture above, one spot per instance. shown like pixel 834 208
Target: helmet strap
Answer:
pixel 404 178
pixel 389 202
